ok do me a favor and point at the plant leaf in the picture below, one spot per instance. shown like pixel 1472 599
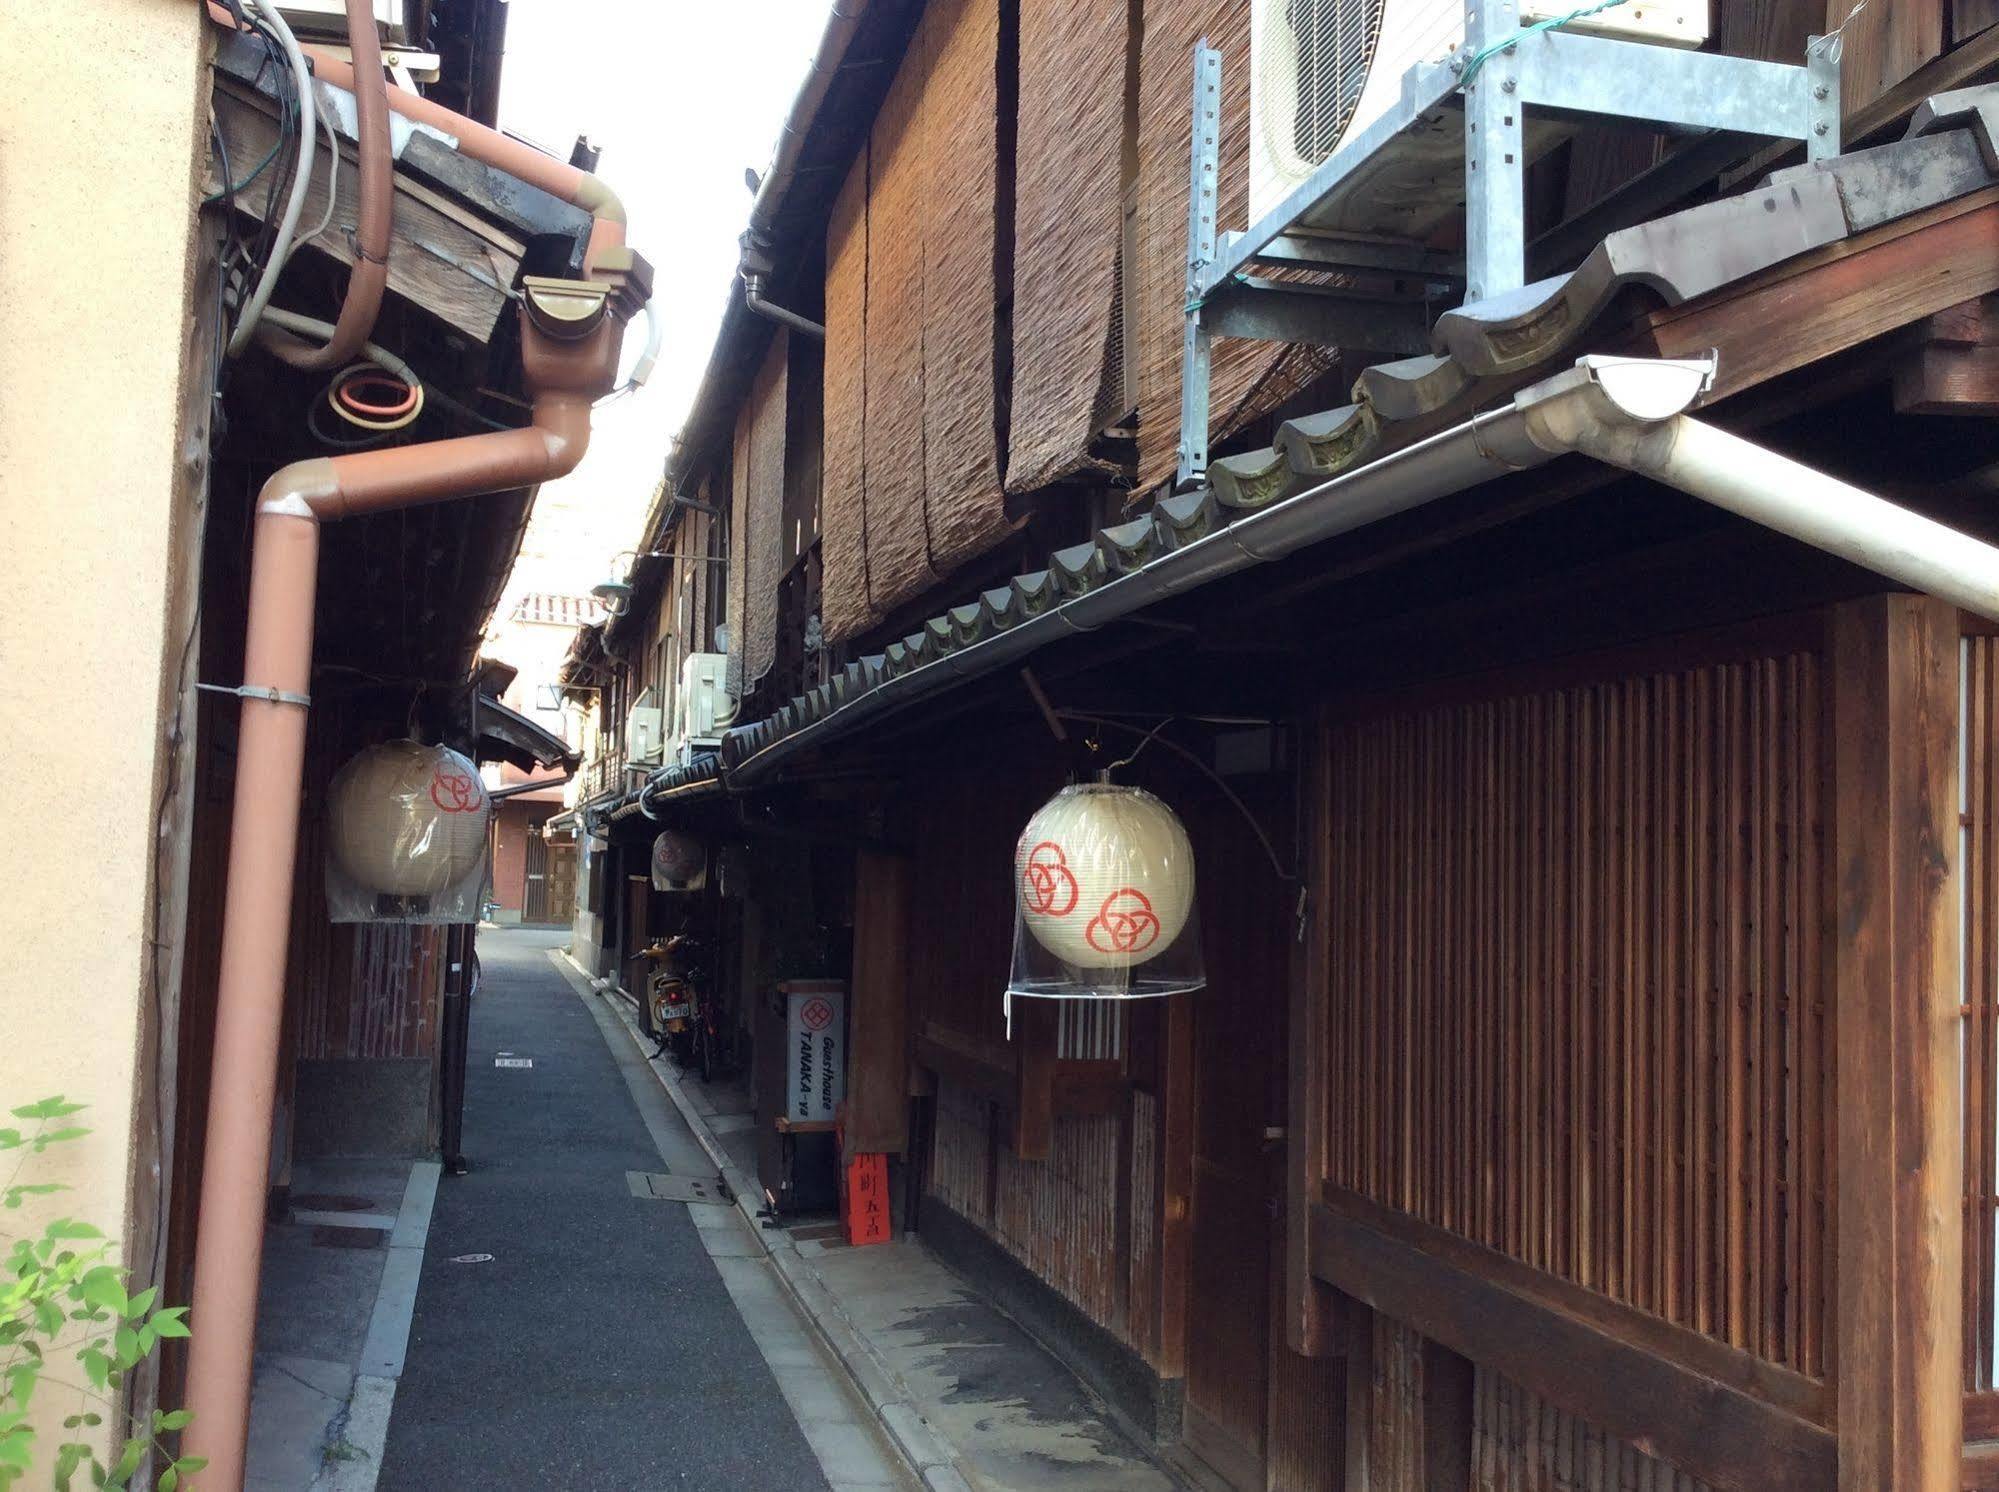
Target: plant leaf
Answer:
pixel 141 1303
pixel 47 1108
pixel 178 1419
pixel 102 1287
pixel 67 1228
pixel 168 1323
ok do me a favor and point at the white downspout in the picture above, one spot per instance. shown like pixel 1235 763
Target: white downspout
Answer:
pixel 1626 415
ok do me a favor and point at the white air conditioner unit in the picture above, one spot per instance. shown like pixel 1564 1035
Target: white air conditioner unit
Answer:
pixel 1321 71
pixel 705 708
pixel 326 20
pixel 643 739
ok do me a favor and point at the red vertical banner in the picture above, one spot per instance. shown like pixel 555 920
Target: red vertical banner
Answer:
pixel 867 1199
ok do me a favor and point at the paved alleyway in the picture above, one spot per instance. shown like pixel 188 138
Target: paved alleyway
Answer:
pixel 600 1347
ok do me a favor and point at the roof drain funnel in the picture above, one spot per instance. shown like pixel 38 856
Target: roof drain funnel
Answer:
pixel 570 336
pixel 1619 419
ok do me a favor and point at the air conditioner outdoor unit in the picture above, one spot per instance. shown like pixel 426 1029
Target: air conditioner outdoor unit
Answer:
pixel 1321 71
pixel 327 19
pixel 705 708
pixel 643 741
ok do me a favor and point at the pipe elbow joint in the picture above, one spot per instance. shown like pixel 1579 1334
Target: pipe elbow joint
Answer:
pixel 305 489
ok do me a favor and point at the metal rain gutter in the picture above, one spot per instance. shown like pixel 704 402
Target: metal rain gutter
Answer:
pixel 1627 412
pixel 1486 446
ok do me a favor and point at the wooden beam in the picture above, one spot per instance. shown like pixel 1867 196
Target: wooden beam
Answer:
pixel 1885 44
pixel 1952 366
pixel 878 1064
pixel 1642 1379
pixel 1836 297
pixel 438 260
pixel 1897 1318
pixel 989 1069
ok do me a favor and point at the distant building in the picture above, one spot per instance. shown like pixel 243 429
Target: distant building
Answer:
pixel 534 881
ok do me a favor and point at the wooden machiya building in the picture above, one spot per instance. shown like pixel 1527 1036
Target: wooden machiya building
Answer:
pixel 1597 1075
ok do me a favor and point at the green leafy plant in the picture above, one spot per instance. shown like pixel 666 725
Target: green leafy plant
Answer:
pixel 63 1300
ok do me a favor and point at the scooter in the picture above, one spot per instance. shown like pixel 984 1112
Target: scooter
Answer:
pixel 670 995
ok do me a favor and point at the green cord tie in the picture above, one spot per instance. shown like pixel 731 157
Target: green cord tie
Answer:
pixel 1480 57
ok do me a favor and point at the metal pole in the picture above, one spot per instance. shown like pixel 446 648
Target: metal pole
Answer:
pixel 457 1024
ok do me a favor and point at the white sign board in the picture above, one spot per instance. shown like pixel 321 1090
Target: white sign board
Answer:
pixel 815 1023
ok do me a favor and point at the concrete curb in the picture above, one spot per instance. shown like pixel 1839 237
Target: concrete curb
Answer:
pixel 928 1454
pixel 365 1420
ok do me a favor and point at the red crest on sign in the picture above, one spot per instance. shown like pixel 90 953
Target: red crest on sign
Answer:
pixel 817 1014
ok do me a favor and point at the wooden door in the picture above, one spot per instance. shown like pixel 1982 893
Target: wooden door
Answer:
pixel 1237 1160
pixel 561 882
pixel 633 932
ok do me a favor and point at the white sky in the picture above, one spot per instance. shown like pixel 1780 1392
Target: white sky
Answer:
pixel 682 95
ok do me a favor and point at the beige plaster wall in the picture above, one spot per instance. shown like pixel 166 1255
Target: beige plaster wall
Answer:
pixel 101 134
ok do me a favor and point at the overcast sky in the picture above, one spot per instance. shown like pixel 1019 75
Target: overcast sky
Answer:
pixel 682 95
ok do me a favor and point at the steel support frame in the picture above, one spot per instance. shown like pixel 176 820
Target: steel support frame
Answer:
pixel 1556 71
pixel 1203 210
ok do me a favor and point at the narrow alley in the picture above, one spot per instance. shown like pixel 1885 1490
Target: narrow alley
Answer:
pixel 599 1345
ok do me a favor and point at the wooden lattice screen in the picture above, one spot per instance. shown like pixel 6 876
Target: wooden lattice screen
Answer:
pixel 1576 1005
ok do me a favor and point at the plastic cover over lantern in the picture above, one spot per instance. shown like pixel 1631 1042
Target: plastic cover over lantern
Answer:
pixel 1104 899
pixel 679 862
pixel 406 836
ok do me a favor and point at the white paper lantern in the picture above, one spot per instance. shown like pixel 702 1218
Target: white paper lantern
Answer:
pixel 1104 896
pixel 679 862
pixel 407 819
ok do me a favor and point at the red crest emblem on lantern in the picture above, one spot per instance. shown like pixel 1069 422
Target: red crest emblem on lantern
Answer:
pixel 1125 923
pixel 454 791
pixel 816 1015
pixel 1047 887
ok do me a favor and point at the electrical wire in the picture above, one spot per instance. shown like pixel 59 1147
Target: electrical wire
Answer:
pixel 1106 722
pixel 368 422
pixel 1479 58
pixel 332 181
pixel 367 374
pixel 308 134
pixel 242 261
pixel 354 412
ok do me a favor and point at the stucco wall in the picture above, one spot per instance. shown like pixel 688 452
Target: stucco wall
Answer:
pixel 101 134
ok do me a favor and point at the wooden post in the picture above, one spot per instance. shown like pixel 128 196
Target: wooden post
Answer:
pixel 1897 1314
pixel 1308 1324
pixel 1035 1034
pixel 1176 1183
pixel 878 1058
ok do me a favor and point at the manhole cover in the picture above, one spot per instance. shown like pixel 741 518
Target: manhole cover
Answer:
pixel 513 1061
pixel 349 1238
pixel 471 1258
pixel 653 1186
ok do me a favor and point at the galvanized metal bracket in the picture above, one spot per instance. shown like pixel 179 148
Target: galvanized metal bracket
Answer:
pixel 259 691
pixel 1501 73
pixel 1203 210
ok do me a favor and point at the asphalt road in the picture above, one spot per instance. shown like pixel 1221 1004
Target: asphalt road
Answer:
pixel 599 1348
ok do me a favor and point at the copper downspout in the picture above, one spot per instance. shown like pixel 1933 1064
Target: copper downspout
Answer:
pixel 370 275
pixel 571 333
